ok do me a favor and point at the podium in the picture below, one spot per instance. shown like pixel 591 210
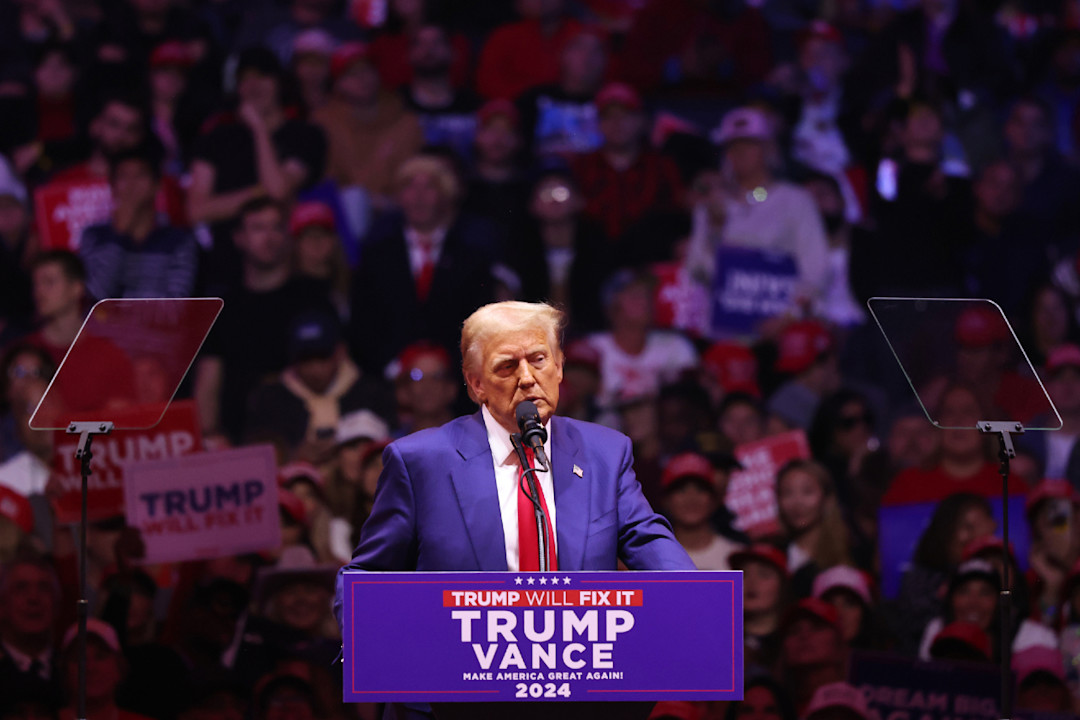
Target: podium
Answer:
pixel 552 637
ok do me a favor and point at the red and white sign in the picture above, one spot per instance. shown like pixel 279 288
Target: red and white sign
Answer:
pixel 680 302
pixel 205 506
pixel 177 434
pixel 751 493
pixel 65 208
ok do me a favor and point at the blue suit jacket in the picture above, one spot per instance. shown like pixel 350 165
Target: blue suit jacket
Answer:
pixel 437 506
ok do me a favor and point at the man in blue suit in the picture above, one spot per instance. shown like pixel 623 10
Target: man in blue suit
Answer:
pixel 447 498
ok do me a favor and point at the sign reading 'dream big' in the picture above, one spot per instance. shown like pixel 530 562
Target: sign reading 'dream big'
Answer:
pixel 177 434
pixel 581 636
pixel 205 506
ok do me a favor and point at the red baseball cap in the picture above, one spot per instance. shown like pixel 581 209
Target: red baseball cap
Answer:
pixel 412 354
pixel 838 695
pixel 499 108
pixel 734 366
pixel 846 577
pixel 679 709
pixel 345 56
pixel 16 508
pixel 821 30
pixel 967 633
pixel 299 469
pixel 986 544
pixel 1049 489
pixel 311 214
pixel 814 608
pixel 96 627
pixel 618 93
pixel 1063 356
pixel 687 465
pixel 980 326
pixel 802 343
pixel 172 53
pixel 582 352
pixel 761 552
pixel 1038 658
pixel 292 506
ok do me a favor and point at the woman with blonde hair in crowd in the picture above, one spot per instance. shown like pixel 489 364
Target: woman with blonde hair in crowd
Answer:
pixel 813 526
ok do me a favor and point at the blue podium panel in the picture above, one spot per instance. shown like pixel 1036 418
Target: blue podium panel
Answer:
pixel 582 636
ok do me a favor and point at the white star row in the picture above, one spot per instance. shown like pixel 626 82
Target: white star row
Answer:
pixel 544 580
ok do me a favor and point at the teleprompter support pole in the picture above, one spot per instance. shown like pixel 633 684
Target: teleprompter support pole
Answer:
pixel 86 432
pixel 1006 451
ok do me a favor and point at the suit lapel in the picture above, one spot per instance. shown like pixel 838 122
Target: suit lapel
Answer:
pixel 571 495
pixel 477 495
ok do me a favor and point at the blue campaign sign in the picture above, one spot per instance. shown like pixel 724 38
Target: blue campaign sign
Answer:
pixel 899 688
pixel 903 525
pixel 582 636
pixel 750 286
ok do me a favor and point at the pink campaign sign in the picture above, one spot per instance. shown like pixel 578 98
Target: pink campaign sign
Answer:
pixel 205 506
pixel 751 494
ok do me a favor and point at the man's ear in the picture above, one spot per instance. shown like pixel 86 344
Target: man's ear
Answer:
pixel 472 383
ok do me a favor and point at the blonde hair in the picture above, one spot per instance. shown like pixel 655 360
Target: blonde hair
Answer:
pixel 499 318
pixel 429 165
pixel 832 546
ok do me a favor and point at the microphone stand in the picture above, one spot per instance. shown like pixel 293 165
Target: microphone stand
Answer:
pixel 1006 451
pixel 528 476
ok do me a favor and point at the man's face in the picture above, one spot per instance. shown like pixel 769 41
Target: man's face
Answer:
pixel 746 157
pixel 621 127
pixel 258 89
pixel 318 373
pixel 997 191
pixel 262 238
pixel 430 52
pixel 134 183
pixel 28 606
pixel 359 83
pixel 583 62
pixel 424 202
pixel 13 218
pixel 119 127
pixel 1026 129
pixel 516 366
pixel 1064 387
pixel 428 387
pixel 54 292
pixel 497 141
pixel 810 642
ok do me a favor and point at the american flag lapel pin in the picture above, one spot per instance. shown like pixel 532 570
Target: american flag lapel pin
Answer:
pixel 578 471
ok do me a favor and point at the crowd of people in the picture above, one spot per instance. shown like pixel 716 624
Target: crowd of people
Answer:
pixel 356 178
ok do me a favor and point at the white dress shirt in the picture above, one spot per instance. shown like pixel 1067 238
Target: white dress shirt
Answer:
pixel 418 250
pixel 506 482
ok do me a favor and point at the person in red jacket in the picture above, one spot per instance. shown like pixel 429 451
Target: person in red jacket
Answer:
pixel 624 179
pixel 526 53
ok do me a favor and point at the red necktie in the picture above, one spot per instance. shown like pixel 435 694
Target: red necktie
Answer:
pixel 427 269
pixel 528 540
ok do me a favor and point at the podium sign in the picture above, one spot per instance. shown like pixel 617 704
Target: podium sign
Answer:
pixel 530 637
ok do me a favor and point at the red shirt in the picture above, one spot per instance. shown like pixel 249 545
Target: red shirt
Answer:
pixel 915 485
pixel 519 56
pixel 390 53
pixel 617 199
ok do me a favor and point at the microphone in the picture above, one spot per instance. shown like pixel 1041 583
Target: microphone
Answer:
pixel 533 434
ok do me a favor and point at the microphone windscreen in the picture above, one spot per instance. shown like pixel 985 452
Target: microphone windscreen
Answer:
pixel 526 410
